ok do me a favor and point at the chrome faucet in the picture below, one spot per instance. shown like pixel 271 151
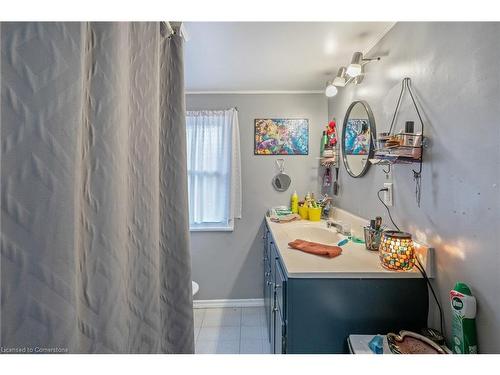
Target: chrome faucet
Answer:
pixel 330 223
pixel 338 226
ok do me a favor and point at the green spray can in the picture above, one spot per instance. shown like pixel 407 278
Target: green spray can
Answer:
pixel 463 326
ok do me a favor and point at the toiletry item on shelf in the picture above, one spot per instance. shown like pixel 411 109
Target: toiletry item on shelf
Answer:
pixel 311 202
pixel 294 203
pixel 382 138
pixel 409 126
pixel 409 139
pixel 392 141
pixel 332 133
pixel 328 152
pixel 327 177
pixel 324 142
pixel 307 198
pixel 336 183
pixel 463 326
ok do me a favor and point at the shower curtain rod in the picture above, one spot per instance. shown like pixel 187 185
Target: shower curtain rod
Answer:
pixel 176 28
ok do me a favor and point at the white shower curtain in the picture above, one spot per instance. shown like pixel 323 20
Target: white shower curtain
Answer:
pixel 94 242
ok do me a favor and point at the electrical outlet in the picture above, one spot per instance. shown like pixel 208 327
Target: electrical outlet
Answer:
pixel 388 194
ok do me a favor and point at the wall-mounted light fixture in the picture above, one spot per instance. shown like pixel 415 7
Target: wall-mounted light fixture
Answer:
pixel 352 74
pixel 330 90
pixel 340 80
pixel 354 68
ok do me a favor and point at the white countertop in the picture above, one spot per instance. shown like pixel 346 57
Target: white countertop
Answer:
pixel 354 262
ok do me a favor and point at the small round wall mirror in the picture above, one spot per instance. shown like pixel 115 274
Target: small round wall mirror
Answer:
pixel 358 134
pixel 281 182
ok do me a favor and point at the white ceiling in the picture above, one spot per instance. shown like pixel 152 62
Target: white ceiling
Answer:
pixel 272 56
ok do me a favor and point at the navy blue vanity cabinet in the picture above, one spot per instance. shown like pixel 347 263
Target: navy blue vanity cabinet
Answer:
pixel 316 315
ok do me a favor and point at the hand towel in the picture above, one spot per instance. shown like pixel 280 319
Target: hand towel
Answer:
pixel 316 248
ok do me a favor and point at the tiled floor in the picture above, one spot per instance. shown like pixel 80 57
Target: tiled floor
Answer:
pixel 231 331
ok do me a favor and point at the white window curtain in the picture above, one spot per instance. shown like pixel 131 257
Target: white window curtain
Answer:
pixel 214 169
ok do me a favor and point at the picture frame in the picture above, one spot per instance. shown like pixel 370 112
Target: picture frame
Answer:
pixel 281 136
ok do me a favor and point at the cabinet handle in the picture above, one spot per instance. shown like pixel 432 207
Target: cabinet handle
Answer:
pixel 275 309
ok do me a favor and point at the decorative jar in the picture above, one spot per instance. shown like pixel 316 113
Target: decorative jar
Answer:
pixel 396 251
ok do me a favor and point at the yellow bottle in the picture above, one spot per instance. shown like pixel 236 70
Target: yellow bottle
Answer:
pixel 294 203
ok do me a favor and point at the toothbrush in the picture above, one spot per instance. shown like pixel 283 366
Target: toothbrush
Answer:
pixel 343 242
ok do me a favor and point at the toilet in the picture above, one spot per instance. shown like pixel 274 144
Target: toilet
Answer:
pixel 195 287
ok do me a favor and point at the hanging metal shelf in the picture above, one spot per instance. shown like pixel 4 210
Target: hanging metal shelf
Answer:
pixel 398 155
pixel 404 154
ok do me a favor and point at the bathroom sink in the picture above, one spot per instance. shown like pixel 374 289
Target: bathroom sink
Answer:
pixel 314 234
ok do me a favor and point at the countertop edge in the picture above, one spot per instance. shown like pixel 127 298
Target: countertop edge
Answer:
pixel 339 275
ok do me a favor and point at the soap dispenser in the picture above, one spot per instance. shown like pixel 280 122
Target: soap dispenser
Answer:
pixel 294 203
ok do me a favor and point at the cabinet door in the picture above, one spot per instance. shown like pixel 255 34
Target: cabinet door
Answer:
pixel 280 288
pixel 268 286
pixel 279 334
pixel 267 271
pixel 280 309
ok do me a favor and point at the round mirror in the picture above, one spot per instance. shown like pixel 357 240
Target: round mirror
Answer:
pixel 281 182
pixel 358 135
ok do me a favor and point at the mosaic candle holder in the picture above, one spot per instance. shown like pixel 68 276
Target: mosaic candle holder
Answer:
pixel 396 251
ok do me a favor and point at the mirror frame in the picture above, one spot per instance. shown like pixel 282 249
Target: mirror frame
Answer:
pixel 372 138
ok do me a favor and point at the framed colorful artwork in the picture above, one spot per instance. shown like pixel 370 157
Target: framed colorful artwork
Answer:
pixel 281 136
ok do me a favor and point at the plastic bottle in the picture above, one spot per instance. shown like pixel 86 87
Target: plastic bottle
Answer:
pixel 324 142
pixel 294 203
pixel 463 327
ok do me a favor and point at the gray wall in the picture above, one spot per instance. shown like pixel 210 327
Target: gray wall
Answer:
pixel 456 77
pixel 228 265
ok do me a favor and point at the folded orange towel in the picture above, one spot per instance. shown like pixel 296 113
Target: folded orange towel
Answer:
pixel 316 248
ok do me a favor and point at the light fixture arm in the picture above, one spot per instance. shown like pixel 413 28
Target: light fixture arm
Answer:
pixel 366 61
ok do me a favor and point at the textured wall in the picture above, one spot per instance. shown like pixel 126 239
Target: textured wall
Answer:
pixel 229 264
pixel 454 70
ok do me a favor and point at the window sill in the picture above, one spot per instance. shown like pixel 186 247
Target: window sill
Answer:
pixel 211 229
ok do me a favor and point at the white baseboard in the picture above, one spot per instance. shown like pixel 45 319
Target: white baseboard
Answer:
pixel 211 303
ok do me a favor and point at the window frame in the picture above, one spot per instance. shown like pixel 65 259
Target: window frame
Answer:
pixel 210 226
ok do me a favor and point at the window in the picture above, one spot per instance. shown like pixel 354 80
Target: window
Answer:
pixel 214 177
